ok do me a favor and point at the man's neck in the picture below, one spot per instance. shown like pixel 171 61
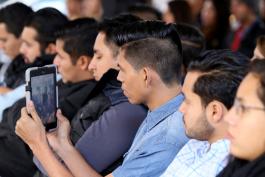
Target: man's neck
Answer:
pixel 218 134
pixel 162 95
pixel 84 77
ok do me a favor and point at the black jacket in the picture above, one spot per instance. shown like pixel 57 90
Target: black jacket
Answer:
pixel 243 168
pixel 94 107
pixel 15 73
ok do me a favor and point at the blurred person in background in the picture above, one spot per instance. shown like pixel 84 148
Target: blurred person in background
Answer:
pixel 243 39
pixel 215 22
pixel 178 11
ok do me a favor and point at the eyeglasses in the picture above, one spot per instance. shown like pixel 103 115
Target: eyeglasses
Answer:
pixel 240 108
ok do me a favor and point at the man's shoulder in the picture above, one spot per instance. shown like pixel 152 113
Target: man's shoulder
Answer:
pixel 169 131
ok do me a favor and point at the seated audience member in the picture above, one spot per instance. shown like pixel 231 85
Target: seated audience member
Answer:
pixel 37 48
pixel 246 126
pixel 193 43
pixel 154 82
pixel 259 52
pixel 12 19
pixel 144 12
pixel 244 38
pixel 111 133
pixel 209 89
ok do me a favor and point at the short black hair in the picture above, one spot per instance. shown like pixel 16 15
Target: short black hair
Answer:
pixel 46 21
pixel 159 54
pixel 257 69
pixel 192 40
pixel 222 71
pixel 146 29
pixel 108 26
pixel 79 37
pixel 145 10
pixel 14 17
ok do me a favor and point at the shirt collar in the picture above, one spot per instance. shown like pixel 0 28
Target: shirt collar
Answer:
pixel 159 114
pixel 219 146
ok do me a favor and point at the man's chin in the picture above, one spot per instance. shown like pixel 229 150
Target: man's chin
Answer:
pixel 132 101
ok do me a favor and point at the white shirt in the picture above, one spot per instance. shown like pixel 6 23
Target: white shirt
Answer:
pixel 199 159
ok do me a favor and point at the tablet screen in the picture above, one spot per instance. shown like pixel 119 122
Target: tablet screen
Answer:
pixel 43 94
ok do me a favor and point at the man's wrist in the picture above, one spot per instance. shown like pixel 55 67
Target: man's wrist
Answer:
pixel 65 149
pixel 39 148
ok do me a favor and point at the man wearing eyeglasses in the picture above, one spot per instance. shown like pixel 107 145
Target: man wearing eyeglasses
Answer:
pixel 210 87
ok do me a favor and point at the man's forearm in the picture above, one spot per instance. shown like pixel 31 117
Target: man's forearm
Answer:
pixel 49 161
pixel 76 163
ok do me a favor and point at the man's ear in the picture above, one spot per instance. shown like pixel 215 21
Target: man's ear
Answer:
pixel 83 62
pixel 146 76
pixel 216 111
pixel 50 49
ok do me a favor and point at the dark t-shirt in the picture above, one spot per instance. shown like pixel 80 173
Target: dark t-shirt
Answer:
pixel 108 138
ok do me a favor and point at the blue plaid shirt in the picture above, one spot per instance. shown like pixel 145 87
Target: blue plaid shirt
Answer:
pixel 199 159
pixel 156 143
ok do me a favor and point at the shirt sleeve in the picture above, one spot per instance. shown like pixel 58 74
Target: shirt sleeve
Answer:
pixel 108 138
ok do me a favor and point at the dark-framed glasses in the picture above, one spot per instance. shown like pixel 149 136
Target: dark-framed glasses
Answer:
pixel 240 108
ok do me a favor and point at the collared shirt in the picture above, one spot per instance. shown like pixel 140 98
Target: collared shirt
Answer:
pixel 199 159
pixel 156 143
